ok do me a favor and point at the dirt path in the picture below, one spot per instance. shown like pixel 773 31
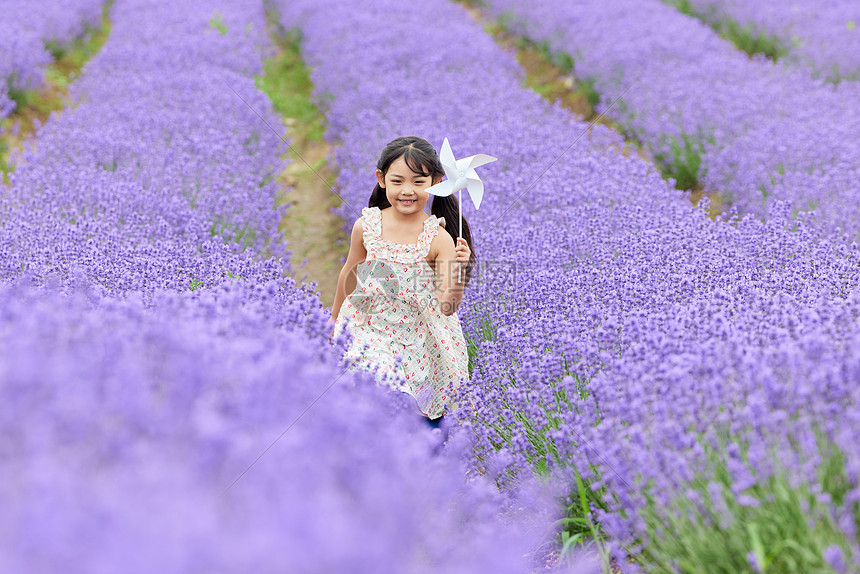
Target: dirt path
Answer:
pixel 314 233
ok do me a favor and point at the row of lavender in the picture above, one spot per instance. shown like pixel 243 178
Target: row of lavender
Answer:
pixel 752 130
pixel 144 185
pixel 821 37
pixel 26 29
pixel 136 438
pixel 151 348
pixel 665 356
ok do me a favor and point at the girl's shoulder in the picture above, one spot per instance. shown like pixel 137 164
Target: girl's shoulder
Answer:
pixel 438 236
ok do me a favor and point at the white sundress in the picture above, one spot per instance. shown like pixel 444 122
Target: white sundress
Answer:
pixel 394 312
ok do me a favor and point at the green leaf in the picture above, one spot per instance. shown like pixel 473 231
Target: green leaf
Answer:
pixel 568 541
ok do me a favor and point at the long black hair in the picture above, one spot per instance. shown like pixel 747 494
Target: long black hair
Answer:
pixel 422 159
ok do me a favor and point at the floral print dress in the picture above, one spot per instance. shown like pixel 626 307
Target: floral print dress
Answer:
pixel 394 317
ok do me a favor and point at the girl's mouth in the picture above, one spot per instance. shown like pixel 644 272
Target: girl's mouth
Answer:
pixel 407 201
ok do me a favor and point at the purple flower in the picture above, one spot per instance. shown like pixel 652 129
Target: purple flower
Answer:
pixel 753 561
pixel 835 558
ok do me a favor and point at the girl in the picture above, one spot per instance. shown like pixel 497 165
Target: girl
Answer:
pixel 399 290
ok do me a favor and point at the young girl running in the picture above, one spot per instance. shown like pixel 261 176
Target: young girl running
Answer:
pixel 399 290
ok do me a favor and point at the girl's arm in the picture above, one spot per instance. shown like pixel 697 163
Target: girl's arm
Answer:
pixel 449 290
pixel 347 279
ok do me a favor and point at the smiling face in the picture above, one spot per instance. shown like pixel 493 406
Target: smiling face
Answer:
pixel 405 189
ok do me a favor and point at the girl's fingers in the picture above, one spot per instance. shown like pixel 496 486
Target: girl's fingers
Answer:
pixel 462 251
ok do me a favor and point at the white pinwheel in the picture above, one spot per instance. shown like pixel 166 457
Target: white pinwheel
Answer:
pixel 461 175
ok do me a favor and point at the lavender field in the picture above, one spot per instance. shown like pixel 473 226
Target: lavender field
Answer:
pixel 653 388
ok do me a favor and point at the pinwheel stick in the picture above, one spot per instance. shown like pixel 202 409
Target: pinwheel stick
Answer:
pixel 460 265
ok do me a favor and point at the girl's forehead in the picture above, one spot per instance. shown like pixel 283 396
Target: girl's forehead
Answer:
pixel 401 167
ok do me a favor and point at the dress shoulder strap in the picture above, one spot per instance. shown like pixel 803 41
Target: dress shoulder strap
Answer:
pixel 371 218
pixel 431 228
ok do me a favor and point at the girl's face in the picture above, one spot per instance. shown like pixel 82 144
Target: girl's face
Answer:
pixel 405 189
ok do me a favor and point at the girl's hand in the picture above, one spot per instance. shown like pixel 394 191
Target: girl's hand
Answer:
pixel 462 253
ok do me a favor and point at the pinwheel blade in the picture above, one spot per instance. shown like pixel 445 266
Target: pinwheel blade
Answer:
pixel 442 189
pixel 449 164
pixel 476 190
pixel 478 160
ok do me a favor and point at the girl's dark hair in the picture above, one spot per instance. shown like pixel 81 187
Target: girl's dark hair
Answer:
pixel 422 159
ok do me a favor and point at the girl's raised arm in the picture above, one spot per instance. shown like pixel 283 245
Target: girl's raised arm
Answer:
pixel 348 278
pixel 449 290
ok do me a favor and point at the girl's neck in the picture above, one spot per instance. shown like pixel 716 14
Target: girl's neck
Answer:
pixel 405 218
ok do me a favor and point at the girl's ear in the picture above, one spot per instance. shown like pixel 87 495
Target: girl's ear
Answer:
pixel 380 178
pixel 437 179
